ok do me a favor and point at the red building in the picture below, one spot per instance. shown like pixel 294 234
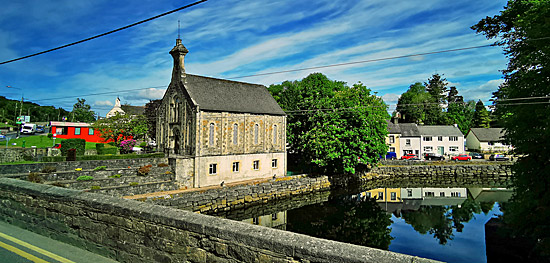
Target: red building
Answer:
pixel 75 130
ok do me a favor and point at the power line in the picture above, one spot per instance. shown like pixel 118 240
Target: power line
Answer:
pixel 104 34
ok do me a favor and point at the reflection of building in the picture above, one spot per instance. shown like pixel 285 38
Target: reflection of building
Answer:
pixel 500 195
pixel 276 220
pixel 217 130
pixel 444 196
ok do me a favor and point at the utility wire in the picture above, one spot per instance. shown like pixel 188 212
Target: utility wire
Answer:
pixel 104 34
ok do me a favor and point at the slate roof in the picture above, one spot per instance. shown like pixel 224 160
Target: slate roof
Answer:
pixel 439 130
pixel 488 134
pixel 213 94
pixel 133 110
pixel 393 128
pixel 409 130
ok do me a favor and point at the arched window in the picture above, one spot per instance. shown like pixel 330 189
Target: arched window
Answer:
pixel 235 134
pixel 256 131
pixel 211 135
pixel 275 134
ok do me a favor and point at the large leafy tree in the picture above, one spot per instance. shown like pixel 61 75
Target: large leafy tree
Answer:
pixel 522 30
pixel 82 112
pixel 332 126
pixel 412 103
pixel 121 127
pixel 437 88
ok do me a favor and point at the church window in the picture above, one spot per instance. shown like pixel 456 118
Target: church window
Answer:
pixel 235 134
pixel 211 135
pixel 275 134
pixel 256 131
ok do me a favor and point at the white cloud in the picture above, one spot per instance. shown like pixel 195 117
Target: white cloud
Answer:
pixel 103 103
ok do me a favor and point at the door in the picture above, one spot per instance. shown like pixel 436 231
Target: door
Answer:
pixel 441 150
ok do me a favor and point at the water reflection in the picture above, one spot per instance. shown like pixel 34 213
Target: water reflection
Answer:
pixel 365 217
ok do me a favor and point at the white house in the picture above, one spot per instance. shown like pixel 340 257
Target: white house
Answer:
pixel 441 139
pixel 487 140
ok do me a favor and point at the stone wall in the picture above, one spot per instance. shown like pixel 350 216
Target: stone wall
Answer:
pixel 131 231
pixel 85 165
pixel 10 155
pixel 219 199
pixel 465 174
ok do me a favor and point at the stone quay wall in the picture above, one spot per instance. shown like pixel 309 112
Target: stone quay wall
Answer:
pixel 217 199
pixel 132 231
pixel 461 174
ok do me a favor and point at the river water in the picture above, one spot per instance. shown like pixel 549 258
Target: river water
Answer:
pixel 444 223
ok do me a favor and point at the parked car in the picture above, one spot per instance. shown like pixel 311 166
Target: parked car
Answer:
pixel 498 157
pixel 476 155
pixel 391 156
pixel 28 128
pixel 408 156
pixel 40 128
pixel 434 156
pixel 462 157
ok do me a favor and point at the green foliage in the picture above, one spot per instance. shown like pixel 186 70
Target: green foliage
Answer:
pixel 100 168
pixel 133 183
pixel 334 127
pixel 99 148
pixel 143 144
pixel 82 112
pixel 50 135
pixel 34 178
pixel 95 187
pixel 121 127
pixel 85 178
pixel 481 116
pixel 11 108
pixel 115 176
pixel 78 144
pixel 522 28
pixel 461 113
pixel 49 169
pixel 412 104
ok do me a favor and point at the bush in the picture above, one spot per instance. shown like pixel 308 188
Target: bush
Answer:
pixel 144 170
pixel 49 169
pixel 78 144
pixel 127 145
pixel 85 178
pixel 99 147
pixel 71 155
pixel 34 178
pixel 162 165
pixel 50 135
pixel 99 168
pixel 112 151
pixel 143 145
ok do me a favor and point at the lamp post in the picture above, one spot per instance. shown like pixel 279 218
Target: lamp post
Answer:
pixel 20 108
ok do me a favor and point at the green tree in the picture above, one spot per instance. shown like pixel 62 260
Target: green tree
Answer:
pixel 121 127
pixel 82 112
pixel 481 116
pixel 462 114
pixel 332 126
pixel 437 88
pixel 412 103
pixel 522 30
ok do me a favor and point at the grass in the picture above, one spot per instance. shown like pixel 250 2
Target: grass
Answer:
pixel 42 141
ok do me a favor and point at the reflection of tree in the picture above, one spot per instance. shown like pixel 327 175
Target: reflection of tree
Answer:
pixel 362 223
pixel 435 220
pixel 440 220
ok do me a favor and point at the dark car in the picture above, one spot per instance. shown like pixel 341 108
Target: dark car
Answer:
pixel 434 156
pixel 498 157
pixel 408 156
pixel 40 128
pixel 477 156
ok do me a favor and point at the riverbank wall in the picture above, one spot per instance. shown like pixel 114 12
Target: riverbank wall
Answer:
pixel 487 173
pixel 237 196
pixel 133 231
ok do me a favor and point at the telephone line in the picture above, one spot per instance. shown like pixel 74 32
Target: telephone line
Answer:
pixel 106 33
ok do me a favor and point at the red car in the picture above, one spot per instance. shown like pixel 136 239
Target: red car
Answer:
pixel 462 157
pixel 408 156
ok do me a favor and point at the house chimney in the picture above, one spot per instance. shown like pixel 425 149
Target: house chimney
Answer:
pixel 178 53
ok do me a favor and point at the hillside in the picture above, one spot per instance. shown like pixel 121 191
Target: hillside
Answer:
pixel 10 109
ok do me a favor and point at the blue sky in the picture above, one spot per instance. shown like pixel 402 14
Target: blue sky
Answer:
pixel 228 39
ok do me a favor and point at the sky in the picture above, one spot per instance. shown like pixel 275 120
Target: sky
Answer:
pixel 231 39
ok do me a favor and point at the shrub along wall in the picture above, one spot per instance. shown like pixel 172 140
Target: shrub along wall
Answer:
pixel 131 231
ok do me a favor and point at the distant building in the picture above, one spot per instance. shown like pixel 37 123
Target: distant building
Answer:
pixel 486 140
pixel 75 130
pixel 217 130
pixel 125 109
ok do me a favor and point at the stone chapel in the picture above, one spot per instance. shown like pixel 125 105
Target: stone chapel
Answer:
pixel 217 130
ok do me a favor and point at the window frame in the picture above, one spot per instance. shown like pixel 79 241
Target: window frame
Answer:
pixel 274 163
pixel 213 169
pixel 256 165
pixel 237 166
pixel 91 131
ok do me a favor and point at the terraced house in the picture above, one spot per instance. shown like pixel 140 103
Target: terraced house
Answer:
pixel 217 130
pixel 410 138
